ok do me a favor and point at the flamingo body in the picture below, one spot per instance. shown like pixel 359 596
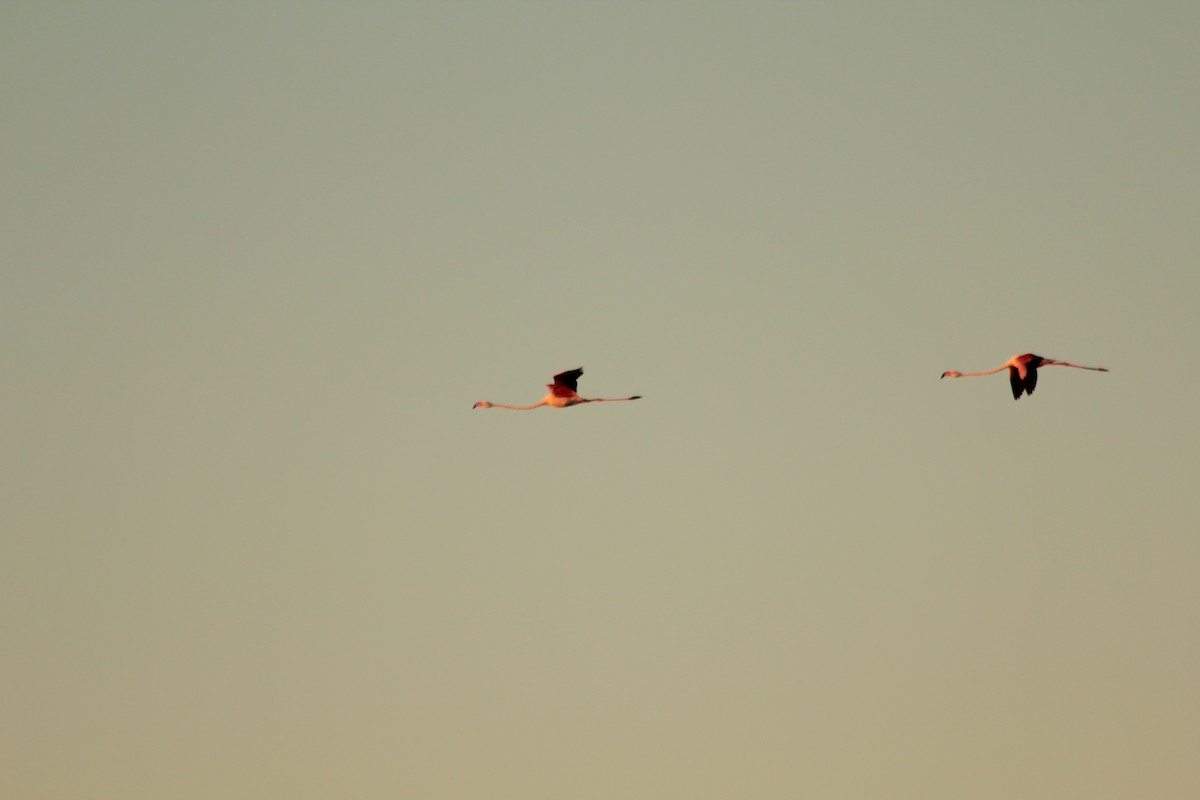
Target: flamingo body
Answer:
pixel 1022 372
pixel 563 392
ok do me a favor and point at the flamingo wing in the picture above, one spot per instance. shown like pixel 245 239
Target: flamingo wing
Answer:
pixel 569 379
pixel 1018 385
pixel 1030 379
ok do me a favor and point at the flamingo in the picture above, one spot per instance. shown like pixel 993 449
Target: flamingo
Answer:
pixel 1022 372
pixel 562 394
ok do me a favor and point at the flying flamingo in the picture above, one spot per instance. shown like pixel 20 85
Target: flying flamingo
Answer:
pixel 1022 372
pixel 562 394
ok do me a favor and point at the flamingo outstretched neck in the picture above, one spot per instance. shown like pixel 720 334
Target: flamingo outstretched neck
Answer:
pixel 1022 372
pixel 563 393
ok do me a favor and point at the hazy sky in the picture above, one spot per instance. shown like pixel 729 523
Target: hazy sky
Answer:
pixel 260 259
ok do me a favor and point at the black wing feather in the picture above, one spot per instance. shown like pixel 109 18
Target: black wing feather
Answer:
pixel 569 379
pixel 1030 379
pixel 1014 379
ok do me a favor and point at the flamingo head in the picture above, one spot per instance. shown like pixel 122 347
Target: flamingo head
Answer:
pixel 952 373
pixel 482 404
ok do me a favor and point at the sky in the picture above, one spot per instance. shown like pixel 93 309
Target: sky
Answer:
pixel 260 259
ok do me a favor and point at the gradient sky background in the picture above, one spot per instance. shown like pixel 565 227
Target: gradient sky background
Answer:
pixel 259 259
